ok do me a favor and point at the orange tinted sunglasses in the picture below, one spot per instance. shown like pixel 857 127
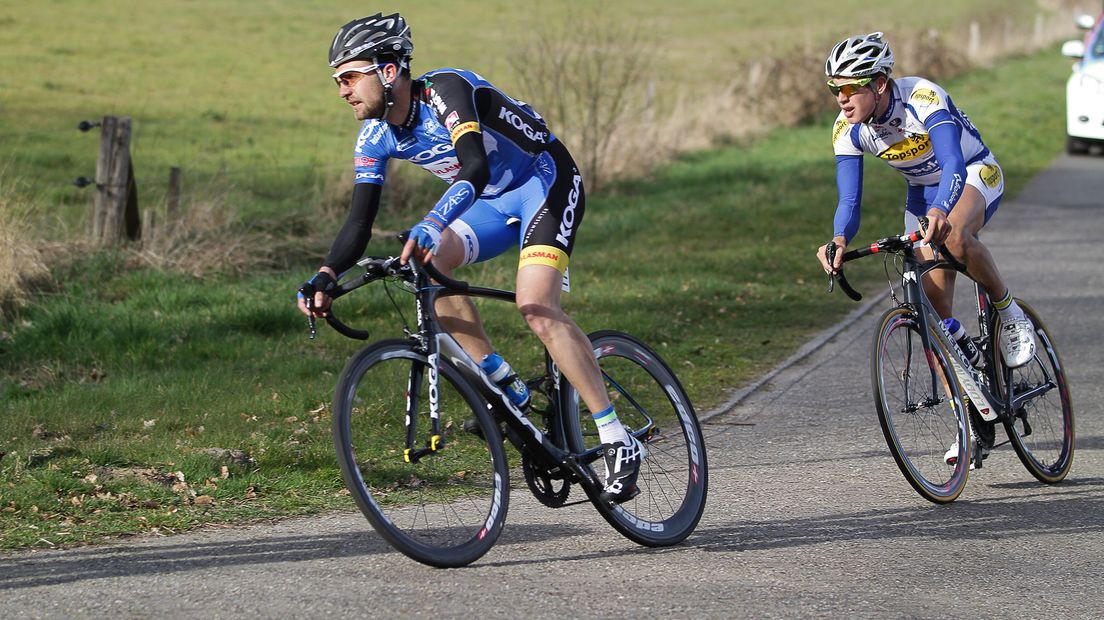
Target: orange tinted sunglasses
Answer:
pixel 349 77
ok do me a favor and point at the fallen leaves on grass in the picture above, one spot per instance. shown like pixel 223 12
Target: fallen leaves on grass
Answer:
pixel 237 456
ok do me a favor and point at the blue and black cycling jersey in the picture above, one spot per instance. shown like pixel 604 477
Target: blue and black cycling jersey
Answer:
pixel 511 181
pixel 450 104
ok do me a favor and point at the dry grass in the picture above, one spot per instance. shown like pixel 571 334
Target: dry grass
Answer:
pixel 22 265
pixel 207 238
pixel 748 101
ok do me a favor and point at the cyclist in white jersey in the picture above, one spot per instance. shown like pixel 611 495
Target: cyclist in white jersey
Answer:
pixel 913 125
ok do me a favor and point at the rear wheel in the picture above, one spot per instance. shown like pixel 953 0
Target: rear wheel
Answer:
pixel 1041 427
pixel 920 408
pixel 445 509
pixel 651 402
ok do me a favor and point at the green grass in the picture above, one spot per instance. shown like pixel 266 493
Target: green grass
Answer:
pixel 239 96
pixel 711 261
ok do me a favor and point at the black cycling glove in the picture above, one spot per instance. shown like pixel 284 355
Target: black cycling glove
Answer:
pixel 321 282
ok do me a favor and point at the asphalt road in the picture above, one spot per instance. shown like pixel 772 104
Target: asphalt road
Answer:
pixel 807 515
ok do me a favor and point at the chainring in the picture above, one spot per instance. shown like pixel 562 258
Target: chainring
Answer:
pixel 543 485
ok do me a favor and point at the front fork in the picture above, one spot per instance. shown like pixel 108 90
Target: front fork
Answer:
pixel 418 372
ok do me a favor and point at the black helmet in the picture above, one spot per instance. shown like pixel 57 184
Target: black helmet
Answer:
pixel 372 37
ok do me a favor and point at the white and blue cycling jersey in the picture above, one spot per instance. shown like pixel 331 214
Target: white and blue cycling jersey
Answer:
pixel 926 138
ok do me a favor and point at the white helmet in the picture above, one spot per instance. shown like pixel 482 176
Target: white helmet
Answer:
pixel 858 57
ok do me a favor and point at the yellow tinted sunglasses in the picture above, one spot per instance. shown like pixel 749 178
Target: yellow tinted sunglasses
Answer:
pixel 848 87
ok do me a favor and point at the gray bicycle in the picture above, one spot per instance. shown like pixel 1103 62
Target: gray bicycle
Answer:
pixel 937 411
pixel 439 492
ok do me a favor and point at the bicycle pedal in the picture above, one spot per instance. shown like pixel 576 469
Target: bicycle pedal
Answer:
pixel 471 425
pixel 624 497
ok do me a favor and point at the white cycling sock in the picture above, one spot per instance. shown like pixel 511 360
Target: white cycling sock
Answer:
pixel 610 429
pixel 1007 308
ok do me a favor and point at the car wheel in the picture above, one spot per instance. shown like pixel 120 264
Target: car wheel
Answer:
pixel 1076 146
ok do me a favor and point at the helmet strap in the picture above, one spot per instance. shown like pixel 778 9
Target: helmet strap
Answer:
pixel 412 113
pixel 877 100
pixel 388 95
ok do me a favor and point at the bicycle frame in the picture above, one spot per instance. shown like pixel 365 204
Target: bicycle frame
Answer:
pixel 438 343
pixel 428 285
pixel 972 381
pixel 976 384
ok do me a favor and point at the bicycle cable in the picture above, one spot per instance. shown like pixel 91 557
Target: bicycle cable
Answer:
pixel 899 268
pixel 398 309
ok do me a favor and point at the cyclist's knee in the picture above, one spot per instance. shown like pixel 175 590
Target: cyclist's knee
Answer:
pixel 959 241
pixel 963 243
pixel 540 316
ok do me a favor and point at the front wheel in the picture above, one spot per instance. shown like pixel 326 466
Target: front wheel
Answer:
pixel 1076 146
pixel 446 508
pixel 1041 425
pixel 920 408
pixel 652 404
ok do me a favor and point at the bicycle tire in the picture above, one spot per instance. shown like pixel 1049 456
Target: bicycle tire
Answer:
pixel 918 426
pixel 674 476
pixel 446 509
pixel 1042 431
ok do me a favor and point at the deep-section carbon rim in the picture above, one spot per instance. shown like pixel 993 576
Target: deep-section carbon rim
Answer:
pixel 447 509
pixel 674 475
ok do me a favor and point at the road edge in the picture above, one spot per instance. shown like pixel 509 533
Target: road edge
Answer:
pixel 805 351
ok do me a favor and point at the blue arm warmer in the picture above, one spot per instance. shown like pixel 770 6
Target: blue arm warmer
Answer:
pixel 468 185
pixel 456 199
pixel 946 139
pixel 849 180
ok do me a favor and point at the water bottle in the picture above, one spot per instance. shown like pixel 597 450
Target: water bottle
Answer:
pixel 958 332
pixel 505 378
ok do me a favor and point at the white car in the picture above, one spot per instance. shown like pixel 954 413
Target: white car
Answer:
pixel 1085 88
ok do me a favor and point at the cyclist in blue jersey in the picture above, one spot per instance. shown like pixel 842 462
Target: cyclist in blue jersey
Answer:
pixel 510 181
pixel 913 125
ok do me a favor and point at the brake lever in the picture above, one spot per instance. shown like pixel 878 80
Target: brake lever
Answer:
pixel 312 324
pixel 308 301
pixel 830 253
pixel 939 251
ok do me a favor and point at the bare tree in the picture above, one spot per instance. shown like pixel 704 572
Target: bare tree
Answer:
pixel 583 75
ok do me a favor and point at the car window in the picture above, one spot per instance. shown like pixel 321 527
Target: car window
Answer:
pixel 1096 49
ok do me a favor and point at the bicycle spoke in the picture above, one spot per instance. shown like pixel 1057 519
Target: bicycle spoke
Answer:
pixel 918 407
pixel 673 475
pixel 433 508
pixel 1047 452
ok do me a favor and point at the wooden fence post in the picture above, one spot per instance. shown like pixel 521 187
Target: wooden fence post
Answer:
pixel 974 49
pixel 172 200
pixel 115 210
pixel 149 233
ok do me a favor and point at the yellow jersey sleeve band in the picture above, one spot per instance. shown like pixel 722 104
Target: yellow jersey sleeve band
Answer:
pixel 461 129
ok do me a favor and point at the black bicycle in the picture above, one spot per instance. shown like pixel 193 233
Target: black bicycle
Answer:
pixel 937 411
pixel 439 493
